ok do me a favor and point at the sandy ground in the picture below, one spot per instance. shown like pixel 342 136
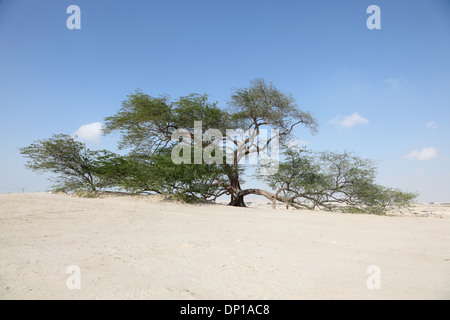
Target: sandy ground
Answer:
pixel 146 248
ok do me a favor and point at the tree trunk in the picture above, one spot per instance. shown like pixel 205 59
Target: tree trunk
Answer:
pixel 236 199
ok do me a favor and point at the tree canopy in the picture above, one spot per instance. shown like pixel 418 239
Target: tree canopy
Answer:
pixel 147 123
pixel 74 164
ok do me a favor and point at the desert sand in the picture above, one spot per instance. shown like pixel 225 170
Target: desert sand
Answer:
pixel 148 248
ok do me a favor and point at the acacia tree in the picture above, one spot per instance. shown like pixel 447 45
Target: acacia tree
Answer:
pixel 147 124
pixel 74 164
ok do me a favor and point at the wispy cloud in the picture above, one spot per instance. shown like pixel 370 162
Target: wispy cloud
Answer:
pixel 348 121
pixel 89 132
pixel 431 125
pixel 423 154
pixel 395 83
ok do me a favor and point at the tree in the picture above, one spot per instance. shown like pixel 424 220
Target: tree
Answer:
pixel 147 124
pixel 69 159
pixel 151 128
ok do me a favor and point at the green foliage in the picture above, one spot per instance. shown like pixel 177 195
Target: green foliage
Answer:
pixel 379 199
pixel 147 123
pixel 334 181
pixel 138 173
pixel 187 181
pixel 196 107
pixel 142 120
pixel 73 164
pixel 84 171
pixel 297 172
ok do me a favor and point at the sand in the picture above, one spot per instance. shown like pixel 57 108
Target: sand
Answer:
pixel 148 248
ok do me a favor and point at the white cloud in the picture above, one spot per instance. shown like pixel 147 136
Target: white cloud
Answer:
pixel 349 121
pixel 423 155
pixel 89 132
pixel 431 125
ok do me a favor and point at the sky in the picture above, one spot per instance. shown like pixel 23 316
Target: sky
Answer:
pixel 381 93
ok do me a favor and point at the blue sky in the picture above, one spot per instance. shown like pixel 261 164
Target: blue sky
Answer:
pixel 384 94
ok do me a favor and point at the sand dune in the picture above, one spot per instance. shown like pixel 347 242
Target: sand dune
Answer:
pixel 147 248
